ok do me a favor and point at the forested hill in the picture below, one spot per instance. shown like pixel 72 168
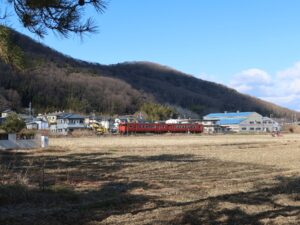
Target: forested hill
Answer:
pixel 53 81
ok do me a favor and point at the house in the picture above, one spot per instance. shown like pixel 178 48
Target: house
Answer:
pixel 126 119
pixel 66 123
pixel 211 126
pixel 52 117
pixel 37 124
pixel 32 126
pixel 92 119
pixel 243 122
pixel 6 113
pixel 26 118
pixel 270 125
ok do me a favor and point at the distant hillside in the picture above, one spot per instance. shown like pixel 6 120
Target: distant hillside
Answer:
pixel 54 81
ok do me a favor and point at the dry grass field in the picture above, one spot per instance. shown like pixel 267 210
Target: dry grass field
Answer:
pixel 168 179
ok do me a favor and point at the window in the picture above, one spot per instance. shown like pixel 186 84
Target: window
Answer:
pixel 251 128
pixel 244 128
pixel 251 122
pixel 3 136
pixel 258 128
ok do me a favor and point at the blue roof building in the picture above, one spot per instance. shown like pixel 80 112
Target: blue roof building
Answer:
pixel 228 115
pixel 242 121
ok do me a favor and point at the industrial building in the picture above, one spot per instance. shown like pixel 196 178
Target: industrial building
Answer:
pixel 243 122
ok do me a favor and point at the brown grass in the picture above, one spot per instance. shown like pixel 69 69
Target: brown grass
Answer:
pixel 168 179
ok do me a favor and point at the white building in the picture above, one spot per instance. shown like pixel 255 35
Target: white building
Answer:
pixel 6 113
pixel 52 117
pixel 243 122
pixel 67 122
pixel 211 126
pixel 37 124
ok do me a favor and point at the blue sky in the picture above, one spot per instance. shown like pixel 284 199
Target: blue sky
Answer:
pixel 250 45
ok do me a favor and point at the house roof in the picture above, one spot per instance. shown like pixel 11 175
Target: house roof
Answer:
pixel 70 116
pixel 32 122
pixel 8 111
pixel 230 114
pixel 230 121
pixel 36 120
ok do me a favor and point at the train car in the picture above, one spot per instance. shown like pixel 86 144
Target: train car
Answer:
pixel 184 128
pixel 159 128
pixel 142 128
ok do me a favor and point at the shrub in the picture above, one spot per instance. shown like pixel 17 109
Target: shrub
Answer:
pixel 13 124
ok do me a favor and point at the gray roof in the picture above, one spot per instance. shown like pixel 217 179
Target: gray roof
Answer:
pixel 69 116
pixel 8 111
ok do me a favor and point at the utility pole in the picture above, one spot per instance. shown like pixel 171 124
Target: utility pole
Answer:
pixel 30 109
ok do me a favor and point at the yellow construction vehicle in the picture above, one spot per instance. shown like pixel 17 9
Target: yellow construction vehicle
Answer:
pixel 98 128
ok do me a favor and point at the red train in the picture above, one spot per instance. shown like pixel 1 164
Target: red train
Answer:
pixel 159 128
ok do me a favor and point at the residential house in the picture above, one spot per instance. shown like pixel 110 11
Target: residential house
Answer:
pixel 211 126
pixel 37 124
pixel 6 113
pixel 52 117
pixel 181 121
pixel 66 123
pixel 26 118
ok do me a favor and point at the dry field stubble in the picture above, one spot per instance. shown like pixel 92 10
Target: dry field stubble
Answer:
pixel 181 179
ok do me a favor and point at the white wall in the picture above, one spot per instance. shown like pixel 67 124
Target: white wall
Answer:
pixel 13 143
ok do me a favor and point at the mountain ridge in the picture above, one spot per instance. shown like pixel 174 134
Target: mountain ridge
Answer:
pixel 55 81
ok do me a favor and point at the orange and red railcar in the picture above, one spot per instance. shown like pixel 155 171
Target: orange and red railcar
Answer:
pixel 159 128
